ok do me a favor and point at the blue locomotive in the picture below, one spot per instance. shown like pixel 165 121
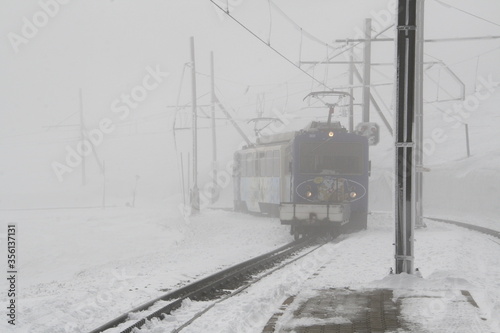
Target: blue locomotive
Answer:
pixel 313 179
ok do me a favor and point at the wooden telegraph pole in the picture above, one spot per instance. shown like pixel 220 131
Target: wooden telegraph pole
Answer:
pixel 82 136
pixel 195 193
pixel 214 137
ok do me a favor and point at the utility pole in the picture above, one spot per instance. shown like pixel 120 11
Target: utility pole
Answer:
pixel 261 100
pixel 419 117
pixel 351 90
pixel 214 138
pixel 375 104
pixel 467 142
pixel 234 123
pixel 367 70
pixel 104 184
pixel 195 194
pixel 82 136
pixel 405 103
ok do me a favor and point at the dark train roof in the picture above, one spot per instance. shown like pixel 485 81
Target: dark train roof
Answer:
pixel 288 136
pixel 322 125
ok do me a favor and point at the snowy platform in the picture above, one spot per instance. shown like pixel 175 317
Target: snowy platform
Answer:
pixel 379 310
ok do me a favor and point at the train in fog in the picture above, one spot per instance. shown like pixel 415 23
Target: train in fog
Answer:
pixel 313 179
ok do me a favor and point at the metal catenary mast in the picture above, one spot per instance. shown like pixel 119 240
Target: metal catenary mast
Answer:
pixel 404 146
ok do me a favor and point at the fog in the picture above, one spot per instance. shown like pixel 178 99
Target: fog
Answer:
pixel 51 50
pixel 96 144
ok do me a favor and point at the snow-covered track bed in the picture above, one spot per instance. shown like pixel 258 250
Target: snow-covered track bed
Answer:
pixel 483 230
pixel 211 287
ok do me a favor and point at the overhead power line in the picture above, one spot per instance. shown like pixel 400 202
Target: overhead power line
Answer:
pixel 466 12
pixel 299 28
pixel 268 44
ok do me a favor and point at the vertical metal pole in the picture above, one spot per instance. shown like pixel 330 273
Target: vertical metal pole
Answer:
pixel 405 103
pixel 189 175
pixel 82 135
pixel 367 70
pixel 104 184
pixel 467 139
pixel 419 117
pixel 135 190
pixel 214 137
pixel 261 100
pixel 351 90
pixel 183 182
pixel 195 194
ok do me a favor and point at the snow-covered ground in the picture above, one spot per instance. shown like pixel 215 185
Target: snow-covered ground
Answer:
pixel 83 268
pixel 360 261
pixel 73 283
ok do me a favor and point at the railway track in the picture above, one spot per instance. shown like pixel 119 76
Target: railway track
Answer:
pixel 232 281
pixel 236 279
pixel 483 230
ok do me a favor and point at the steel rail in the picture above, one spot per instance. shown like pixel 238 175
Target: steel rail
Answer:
pixel 242 288
pixel 206 286
pixel 483 230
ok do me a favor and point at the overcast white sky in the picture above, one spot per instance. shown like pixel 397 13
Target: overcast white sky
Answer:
pixel 106 47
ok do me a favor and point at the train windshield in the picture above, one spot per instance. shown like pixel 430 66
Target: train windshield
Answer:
pixel 331 158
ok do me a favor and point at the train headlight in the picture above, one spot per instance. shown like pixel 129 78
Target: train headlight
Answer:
pixel 330 134
pixel 309 194
pixel 353 195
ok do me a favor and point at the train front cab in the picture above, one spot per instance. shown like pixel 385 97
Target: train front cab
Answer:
pixel 329 183
pixel 315 218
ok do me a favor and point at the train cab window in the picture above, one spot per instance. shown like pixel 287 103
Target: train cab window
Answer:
pixel 255 164
pixel 250 165
pixel 243 165
pixel 333 158
pixel 288 160
pixel 269 164
pixel 247 168
pixel 276 163
pixel 261 165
